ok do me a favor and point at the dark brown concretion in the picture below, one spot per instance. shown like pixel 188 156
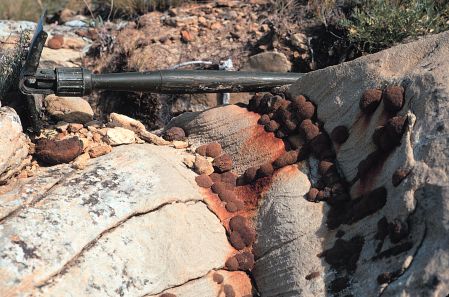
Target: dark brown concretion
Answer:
pixel 264 119
pixel 204 181
pixel 309 130
pixel 231 207
pixel 298 100
pixel 236 240
pixel 229 291
pixel 382 229
pixel 397 230
pixel 229 178
pixel 201 150
pixel 174 133
pixel 215 177
pixel 393 98
pixel 340 134
pixel 345 253
pixel 312 195
pixel 227 196
pixel 288 158
pixel 222 163
pixel 272 126
pixel 219 188
pixel 312 275
pixel 218 278
pixel 213 150
pixel 399 175
pixel 55 152
pixel 254 102
pixel 232 264
pixel 370 100
pixel 167 295
pixel 265 170
pixel 395 128
pixel 265 104
pixel 305 110
pixel 245 260
pixel 250 174
pixel 237 223
pixel 320 145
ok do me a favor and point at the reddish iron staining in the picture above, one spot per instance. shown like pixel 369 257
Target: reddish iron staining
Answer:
pixel 229 178
pixel 54 152
pixel 215 177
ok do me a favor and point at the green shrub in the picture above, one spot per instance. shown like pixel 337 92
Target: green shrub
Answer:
pixel 378 24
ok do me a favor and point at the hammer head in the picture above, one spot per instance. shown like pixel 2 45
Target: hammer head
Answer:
pixel 29 84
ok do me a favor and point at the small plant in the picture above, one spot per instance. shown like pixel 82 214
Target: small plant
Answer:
pixel 378 24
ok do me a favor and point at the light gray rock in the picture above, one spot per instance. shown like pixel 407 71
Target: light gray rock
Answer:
pixel 69 109
pixel 118 136
pixel 13 144
pixel 117 227
pixel 268 62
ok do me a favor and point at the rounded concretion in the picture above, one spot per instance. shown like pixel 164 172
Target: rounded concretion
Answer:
pixel 236 240
pixel 219 188
pixel 55 152
pixel 250 174
pixel 272 126
pixel 204 181
pixel 229 178
pixel 309 130
pixel 215 177
pixel 287 158
pixel 231 206
pixel 298 101
pixel 245 260
pixel 167 295
pixel 232 264
pixel 218 278
pixel 201 150
pixel 227 196
pixel 222 163
pixel 263 120
pixel 395 127
pixel 254 102
pixel 370 100
pixel 393 98
pixel 305 110
pixel 237 223
pixel 312 194
pixel 340 134
pixel 265 170
pixel 174 134
pixel 229 291
pixel 213 150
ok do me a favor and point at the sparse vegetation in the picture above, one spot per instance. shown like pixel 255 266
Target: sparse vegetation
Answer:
pixel 378 24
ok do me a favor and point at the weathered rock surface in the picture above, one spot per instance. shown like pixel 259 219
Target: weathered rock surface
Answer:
pixel 13 143
pixel 421 201
pixel 69 109
pixel 236 130
pixel 118 227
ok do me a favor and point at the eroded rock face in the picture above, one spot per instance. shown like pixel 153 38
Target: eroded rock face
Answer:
pixel 13 144
pixel 117 227
pixel 402 252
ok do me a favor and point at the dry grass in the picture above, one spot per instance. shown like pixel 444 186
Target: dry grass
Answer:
pixel 31 9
